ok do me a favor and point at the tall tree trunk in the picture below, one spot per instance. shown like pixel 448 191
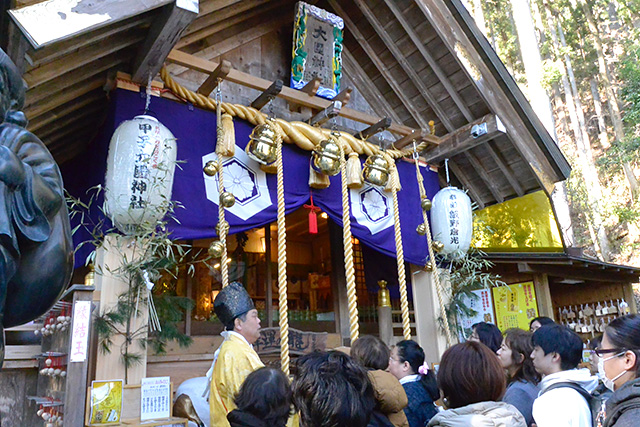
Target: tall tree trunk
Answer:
pixel 612 100
pixel 540 102
pixel 597 103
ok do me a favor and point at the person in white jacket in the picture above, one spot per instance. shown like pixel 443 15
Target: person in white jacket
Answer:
pixel 556 355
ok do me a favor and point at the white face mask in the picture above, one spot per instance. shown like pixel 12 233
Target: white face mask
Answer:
pixel 608 383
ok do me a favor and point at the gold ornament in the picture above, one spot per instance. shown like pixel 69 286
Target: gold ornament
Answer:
pixel 210 168
pixel 184 408
pixel 89 278
pixel 428 267
pixel 421 229
pixel 425 203
pixel 227 199
pixel 219 226
pixel 326 157
pixel 376 170
pixel 438 246
pixel 384 300
pixel 216 249
pixel 262 146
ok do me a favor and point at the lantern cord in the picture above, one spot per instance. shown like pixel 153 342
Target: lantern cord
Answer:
pixel 352 299
pixel 434 267
pixel 302 134
pixel 402 279
pixel 283 308
pixel 223 226
pixel 446 170
pixel 147 101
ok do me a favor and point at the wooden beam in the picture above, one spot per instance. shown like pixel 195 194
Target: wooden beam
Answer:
pixel 211 82
pixel 163 36
pixel 69 94
pixel 288 94
pixel 416 135
pixel 408 68
pixel 70 119
pixel 365 85
pixel 55 114
pixel 462 139
pixel 479 168
pixel 463 179
pixel 327 114
pixel 56 20
pixel 17 46
pixel 381 126
pixel 502 165
pixel 344 96
pixel 433 64
pixel 382 68
pixel 268 95
pixel 587 275
pixel 311 88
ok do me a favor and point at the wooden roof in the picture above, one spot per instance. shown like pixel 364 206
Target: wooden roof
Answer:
pixel 412 60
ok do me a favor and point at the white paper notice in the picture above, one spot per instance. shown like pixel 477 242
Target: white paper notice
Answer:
pixel 80 331
pixel 155 398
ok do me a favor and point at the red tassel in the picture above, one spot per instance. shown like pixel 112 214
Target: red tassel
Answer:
pixel 313 216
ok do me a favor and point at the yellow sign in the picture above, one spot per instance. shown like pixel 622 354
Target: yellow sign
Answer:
pixel 106 402
pixel 515 305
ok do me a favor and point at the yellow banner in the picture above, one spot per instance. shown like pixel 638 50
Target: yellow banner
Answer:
pixel 515 305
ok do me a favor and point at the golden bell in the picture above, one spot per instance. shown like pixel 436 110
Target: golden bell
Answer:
pixel 326 157
pixel 216 249
pixel 421 229
pixel 210 168
pixel 376 170
pixel 219 226
pixel 384 300
pixel 227 199
pixel 437 246
pixel 425 204
pixel 428 266
pixel 262 146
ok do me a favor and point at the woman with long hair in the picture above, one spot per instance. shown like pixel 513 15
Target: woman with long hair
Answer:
pixel 515 357
pixel 472 381
pixel 407 364
pixel 619 366
pixel 488 334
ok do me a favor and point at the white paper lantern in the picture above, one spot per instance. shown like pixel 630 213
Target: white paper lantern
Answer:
pixel 140 169
pixel 451 220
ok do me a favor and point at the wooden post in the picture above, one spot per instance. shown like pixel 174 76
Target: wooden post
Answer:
pixel 429 334
pixel 339 282
pixel 630 298
pixel 268 302
pixel 109 258
pixel 543 295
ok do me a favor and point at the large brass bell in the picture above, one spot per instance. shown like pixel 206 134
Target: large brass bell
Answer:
pixel 437 245
pixel 216 249
pixel 376 170
pixel 425 203
pixel 421 229
pixel 262 146
pixel 227 199
pixel 210 168
pixel 326 157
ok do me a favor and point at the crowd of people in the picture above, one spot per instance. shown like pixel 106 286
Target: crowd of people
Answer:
pixel 513 379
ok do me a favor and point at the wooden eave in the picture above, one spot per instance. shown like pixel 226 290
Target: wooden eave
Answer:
pixel 401 54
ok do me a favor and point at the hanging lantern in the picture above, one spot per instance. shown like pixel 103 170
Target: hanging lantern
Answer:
pixel 262 146
pixel 326 157
pixel 376 170
pixel 140 169
pixel 451 221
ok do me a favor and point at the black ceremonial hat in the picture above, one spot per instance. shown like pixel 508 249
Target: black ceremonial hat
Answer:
pixel 232 301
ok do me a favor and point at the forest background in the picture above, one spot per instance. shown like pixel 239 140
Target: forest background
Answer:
pixel 581 73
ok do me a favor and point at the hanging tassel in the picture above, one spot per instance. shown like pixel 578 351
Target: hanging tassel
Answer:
pixel 354 171
pixel 394 178
pixel 318 180
pixel 227 142
pixel 313 216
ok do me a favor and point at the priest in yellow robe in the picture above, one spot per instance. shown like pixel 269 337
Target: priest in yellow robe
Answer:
pixel 236 358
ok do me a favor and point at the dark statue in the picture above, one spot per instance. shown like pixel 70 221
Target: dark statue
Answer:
pixel 36 251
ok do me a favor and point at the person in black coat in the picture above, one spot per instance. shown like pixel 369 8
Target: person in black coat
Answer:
pixel 264 400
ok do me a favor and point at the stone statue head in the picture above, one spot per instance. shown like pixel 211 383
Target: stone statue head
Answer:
pixel 12 87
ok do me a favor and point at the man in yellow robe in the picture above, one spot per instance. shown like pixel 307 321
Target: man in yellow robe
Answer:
pixel 236 358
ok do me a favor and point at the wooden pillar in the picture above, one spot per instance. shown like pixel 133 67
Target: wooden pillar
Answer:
pixel 339 283
pixel 109 286
pixel 426 307
pixel 543 295
pixel 629 297
pixel 268 301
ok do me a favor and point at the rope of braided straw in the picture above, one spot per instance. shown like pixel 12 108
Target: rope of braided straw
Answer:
pixel 282 260
pixel 434 267
pixel 223 226
pixel 302 134
pixel 352 299
pixel 402 279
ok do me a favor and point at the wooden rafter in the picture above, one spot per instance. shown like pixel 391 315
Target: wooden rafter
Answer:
pixel 465 181
pixel 69 94
pixel 453 93
pixel 382 69
pixel 163 35
pixel 479 168
pixel 71 119
pixel 502 165
pixel 413 76
pixel 53 115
